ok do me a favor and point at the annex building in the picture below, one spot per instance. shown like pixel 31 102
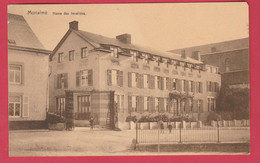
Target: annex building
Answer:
pixel 87 67
pixel 232 58
pixel 27 76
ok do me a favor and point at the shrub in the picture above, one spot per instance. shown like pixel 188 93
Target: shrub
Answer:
pixel 213 116
pixel 53 118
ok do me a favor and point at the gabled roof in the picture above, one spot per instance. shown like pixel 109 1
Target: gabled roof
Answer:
pixel 98 40
pixel 20 34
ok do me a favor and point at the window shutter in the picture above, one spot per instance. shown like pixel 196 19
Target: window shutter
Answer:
pixel 129 79
pixel 137 80
pixel 25 106
pixel 152 104
pixel 66 80
pixel 217 87
pixel 55 82
pixel 129 104
pixel 161 103
pixel 109 77
pixel 78 78
pixel 212 86
pixel 202 108
pixel 138 108
pixel 121 78
pixel 90 77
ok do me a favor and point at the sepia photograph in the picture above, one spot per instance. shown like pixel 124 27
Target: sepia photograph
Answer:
pixel 128 79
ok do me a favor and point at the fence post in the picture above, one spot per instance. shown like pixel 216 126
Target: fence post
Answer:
pixel 159 137
pixel 180 131
pixel 136 133
pixel 218 131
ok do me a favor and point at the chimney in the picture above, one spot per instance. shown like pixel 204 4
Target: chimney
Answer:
pixel 183 54
pixel 74 25
pixel 125 38
pixel 196 55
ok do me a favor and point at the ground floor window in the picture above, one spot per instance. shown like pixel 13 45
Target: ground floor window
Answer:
pixel 119 102
pixel 14 106
pixel 60 105
pixel 84 104
pixel 211 104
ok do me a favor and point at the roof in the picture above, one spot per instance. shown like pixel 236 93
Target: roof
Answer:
pixel 20 34
pixel 98 40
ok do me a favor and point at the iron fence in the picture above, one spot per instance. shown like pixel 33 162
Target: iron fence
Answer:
pixel 204 134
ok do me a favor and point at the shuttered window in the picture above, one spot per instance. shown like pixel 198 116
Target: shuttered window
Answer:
pixel 61 80
pixel 14 106
pixel 84 78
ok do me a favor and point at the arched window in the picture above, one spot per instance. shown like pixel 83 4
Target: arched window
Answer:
pixel 227 64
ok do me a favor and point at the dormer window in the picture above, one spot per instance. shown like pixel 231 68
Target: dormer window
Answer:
pixel 114 51
pixel 146 58
pixel 165 62
pixel 134 55
pixel 157 60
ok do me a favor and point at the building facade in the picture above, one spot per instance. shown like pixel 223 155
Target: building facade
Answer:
pixel 27 76
pixel 87 67
pixel 232 58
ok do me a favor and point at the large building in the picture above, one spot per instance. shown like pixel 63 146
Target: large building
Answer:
pixel 232 58
pixel 27 76
pixel 87 67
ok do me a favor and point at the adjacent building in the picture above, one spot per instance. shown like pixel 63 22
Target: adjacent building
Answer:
pixel 232 58
pixel 27 76
pixel 86 68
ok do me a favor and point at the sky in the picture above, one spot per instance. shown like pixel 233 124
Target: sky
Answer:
pixel 162 26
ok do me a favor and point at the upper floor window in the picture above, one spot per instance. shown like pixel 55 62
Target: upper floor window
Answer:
pixel 60 57
pixel 71 55
pixel 15 74
pixel 146 58
pixel 84 78
pixel 199 87
pixel 61 80
pixel 115 77
pixel 227 64
pixel 146 81
pixel 84 52
pixel 211 104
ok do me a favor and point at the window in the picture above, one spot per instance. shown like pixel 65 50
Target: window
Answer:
pixel 146 81
pixel 60 57
pixel 114 51
pixel 157 104
pixel 134 55
pixel 115 77
pixel 134 103
pixel 15 74
pixel 15 103
pixel 60 105
pixel 190 86
pixel 174 84
pixel 165 104
pixel 184 85
pixel 84 104
pixel 61 81
pixel 209 86
pixel 134 80
pixel 84 78
pixel 146 58
pixel 199 87
pixel 199 105
pixel 146 104
pixel 211 104
pixel 174 107
pixel 71 55
pixel 119 102
pixel 227 64
pixel 84 52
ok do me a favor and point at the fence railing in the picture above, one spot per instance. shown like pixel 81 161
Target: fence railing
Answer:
pixel 178 134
